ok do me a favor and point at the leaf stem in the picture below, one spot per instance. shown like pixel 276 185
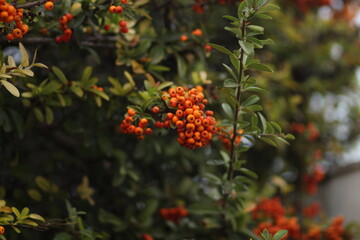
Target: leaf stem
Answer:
pixel 230 174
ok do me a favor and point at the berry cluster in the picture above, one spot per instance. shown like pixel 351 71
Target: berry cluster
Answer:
pixel 226 136
pixel 128 127
pixel 9 14
pixel 173 214
pixel 310 130
pixel 119 10
pixel 195 129
pixel 311 210
pixel 183 111
pixel 311 180
pixel 67 32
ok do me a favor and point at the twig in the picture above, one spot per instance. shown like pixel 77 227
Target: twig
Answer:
pixel 230 174
pixel 30 4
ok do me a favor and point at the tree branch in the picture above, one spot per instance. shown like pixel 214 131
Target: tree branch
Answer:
pixel 30 4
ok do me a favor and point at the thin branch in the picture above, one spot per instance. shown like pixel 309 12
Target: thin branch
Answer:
pixel 30 4
pixel 230 174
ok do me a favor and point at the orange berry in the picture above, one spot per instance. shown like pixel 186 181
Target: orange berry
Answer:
pixel 179 113
pixel 17 33
pixel 155 109
pixel 139 131
pixel 131 129
pixel 197 32
pixel 24 29
pixel 180 90
pixel 4 14
pixel 190 118
pixel 119 9
pixel 11 10
pixel 183 38
pixel 10 37
pixel 179 124
pixel 131 112
pixel 172 92
pixel 68 32
pixel 144 236
pixel 207 48
pixel 169 116
pixel 124 1
pixel 174 119
pixel 188 104
pixel 2 230
pixel 49 6
pixel 190 126
pixel 112 9
pixel 128 119
pixel 69 16
pixel 143 122
pixel 63 20
pixel 148 131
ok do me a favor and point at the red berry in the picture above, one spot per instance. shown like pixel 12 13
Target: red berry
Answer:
pixel 107 27
pixel 124 30
pixel 122 24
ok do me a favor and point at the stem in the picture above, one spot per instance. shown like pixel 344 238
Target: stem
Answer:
pixel 31 4
pixel 230 174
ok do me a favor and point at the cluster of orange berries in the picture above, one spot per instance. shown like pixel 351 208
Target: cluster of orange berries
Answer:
pixel 274 212
pixel 140 130
pixel 268 208
pixel 119 10
pixel 311 210
pixel 197 32
pixel 226 137
pixel 311 130
pixel 9 14
pixel 311 181
pixel 67 32
pixel 173 214
pixel 49 5
pixel 195 128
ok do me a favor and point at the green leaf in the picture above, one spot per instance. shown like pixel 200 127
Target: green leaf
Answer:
pixel 256 28
pixel 11 88
pixel 290 136
pixel 230 71
pixel 247 47
pixel 86 76
pixel 221 49
pixel 36 217
pixel 24 55
pixel 34 194
pixel 231 18
pixel 250 100
pixel 255 108
pixel 263 16
pixel 230 83
pixel 38 114
pixel 63 236
pixel 16 212
pixel 59 74
pixel 28 222
pixel 227 109
pixel 256 89
pixel 25 211
pixel 241 9
pixel 215 162
pixel 237 31
pixel 49 115
pixel 248 172
pixel 276 126
pixel 77 90
pixel 99 93
pixel 235 62
pixel 260 66
pixel 164 85
pixel 263 122
pixel 268 8
pixel 43 183
pixel 280 234
pixel 268 141
pixel 17 230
